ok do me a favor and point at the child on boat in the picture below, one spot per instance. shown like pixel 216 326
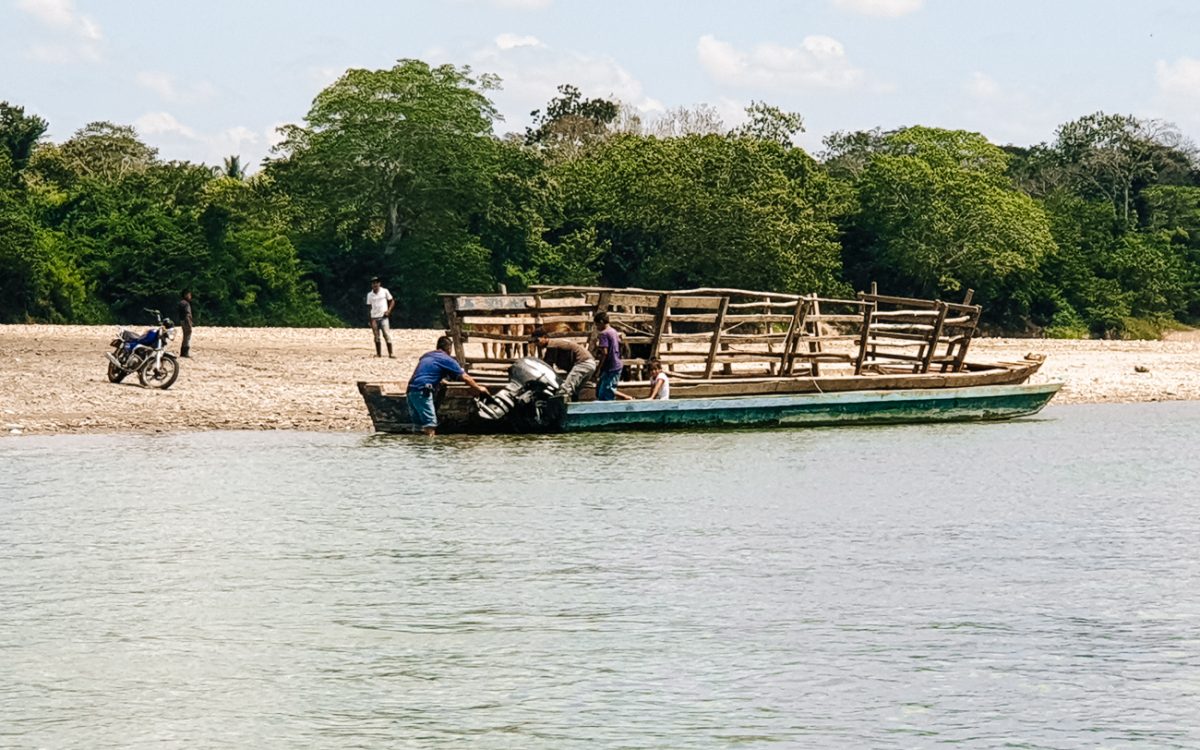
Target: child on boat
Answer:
pixel 660 384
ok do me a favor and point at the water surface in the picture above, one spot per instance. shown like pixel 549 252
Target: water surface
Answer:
pixel 1025 584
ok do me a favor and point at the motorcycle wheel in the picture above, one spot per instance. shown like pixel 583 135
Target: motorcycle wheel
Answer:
pixel 115 374
pixel 161 377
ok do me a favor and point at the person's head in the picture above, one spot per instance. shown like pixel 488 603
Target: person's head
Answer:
pixel 375 282
pixel 445 343
pixel 655 367
pixel 601 320
pixel 539 336
pixel 186 294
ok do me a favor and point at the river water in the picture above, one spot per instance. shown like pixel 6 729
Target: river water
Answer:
pixel 1024 584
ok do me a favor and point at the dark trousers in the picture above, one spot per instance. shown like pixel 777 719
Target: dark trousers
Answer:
pixel 187 340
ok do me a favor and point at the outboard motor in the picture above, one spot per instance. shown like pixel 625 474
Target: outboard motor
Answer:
pixel 530 402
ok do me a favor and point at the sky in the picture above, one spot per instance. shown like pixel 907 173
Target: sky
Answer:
pixel 204 80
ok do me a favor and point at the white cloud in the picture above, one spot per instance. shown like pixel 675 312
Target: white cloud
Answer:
pixel 880 8
pixel 165 86
pixel 819 62
pixel 51 12
pixel 156 123
pixel 1178 96
pixel 521 4
pixel 509 41
pixel 159 83
pixel 1180 79
pixel 1003 114
pixel 178 140
pixel 532 70
pixel 983 87
pixel 60 15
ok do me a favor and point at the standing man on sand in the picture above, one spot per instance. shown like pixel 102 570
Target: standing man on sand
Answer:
pixel 185 322
pixel 431 369
pixel 379 305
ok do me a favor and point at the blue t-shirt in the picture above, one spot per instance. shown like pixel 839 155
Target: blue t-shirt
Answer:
pixel 432 367
pixel 609 339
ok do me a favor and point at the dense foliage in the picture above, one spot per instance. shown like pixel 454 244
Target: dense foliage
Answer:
pixel 398 172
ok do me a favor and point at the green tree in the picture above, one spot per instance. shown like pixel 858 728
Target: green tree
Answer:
pixel 769 123
pixel 937 215
pixel 700 211
pixel 570 121
pixel 19 134
pixel 107 152
pixel 1110 155
pixel 388 164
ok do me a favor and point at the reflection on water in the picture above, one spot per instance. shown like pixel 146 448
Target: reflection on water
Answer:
pixel 1027 584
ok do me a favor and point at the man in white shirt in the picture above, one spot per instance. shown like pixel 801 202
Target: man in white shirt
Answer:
pixel 380 303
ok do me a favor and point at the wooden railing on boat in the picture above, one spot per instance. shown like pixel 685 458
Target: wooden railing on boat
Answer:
pixel 722 333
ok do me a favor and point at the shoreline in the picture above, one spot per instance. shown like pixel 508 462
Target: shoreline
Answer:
pixel 52 378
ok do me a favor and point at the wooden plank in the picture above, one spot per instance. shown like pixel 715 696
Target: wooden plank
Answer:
pixel 622 299
pixel 449 307
pixel 682 302
pixel 716 337
pixel 488 302
pixel 877 299
pixel 757 318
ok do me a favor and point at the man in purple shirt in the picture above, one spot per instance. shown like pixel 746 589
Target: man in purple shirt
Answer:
pixel 431 369
pixel 608 354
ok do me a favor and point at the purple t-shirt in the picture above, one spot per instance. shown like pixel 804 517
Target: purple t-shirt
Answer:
pixel 609 339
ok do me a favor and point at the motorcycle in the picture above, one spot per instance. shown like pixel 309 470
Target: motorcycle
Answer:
pixel 146 355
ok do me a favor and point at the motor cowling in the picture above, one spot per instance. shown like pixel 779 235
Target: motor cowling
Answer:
pixel 529 401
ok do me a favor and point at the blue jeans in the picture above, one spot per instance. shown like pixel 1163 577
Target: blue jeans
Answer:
pixel 421 410
pixel 606 389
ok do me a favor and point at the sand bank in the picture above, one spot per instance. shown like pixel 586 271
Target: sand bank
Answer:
pixel 52 378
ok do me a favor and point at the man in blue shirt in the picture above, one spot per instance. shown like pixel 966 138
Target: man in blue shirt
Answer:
pixel 432 369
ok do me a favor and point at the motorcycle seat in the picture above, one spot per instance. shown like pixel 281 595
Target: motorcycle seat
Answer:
pixel 129 336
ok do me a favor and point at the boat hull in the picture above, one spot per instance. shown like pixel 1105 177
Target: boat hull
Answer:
pixel 984 403
pixel 911 406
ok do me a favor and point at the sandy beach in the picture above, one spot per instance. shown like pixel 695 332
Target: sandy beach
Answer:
pixel 52 378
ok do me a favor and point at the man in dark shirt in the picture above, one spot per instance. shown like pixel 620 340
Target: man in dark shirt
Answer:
pixel 568 356
pixel 432 369
pixel 185 322
pixel 608 351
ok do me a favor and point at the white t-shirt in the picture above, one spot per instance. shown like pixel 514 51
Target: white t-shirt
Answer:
pixel 664 393
pixel 379 302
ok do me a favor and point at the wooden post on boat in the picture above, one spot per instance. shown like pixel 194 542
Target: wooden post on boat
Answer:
pixel 865 337
pixel 660 323
pixel 814 346
pixel 716 339
pixel 931 346
pixel 455 327
pixel 787 362
pixel 969 331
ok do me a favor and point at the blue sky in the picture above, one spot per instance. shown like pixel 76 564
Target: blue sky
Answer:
pixel 202 80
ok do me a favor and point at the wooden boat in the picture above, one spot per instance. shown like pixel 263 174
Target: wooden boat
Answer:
pixel 736 357
pixel 389 411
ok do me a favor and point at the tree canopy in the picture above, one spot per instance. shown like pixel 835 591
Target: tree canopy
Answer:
pixel 400 172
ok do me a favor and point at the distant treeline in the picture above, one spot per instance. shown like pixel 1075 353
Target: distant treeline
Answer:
pixel 397 173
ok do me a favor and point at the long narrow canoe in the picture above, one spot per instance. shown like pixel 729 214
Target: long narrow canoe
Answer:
pixel 909 406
